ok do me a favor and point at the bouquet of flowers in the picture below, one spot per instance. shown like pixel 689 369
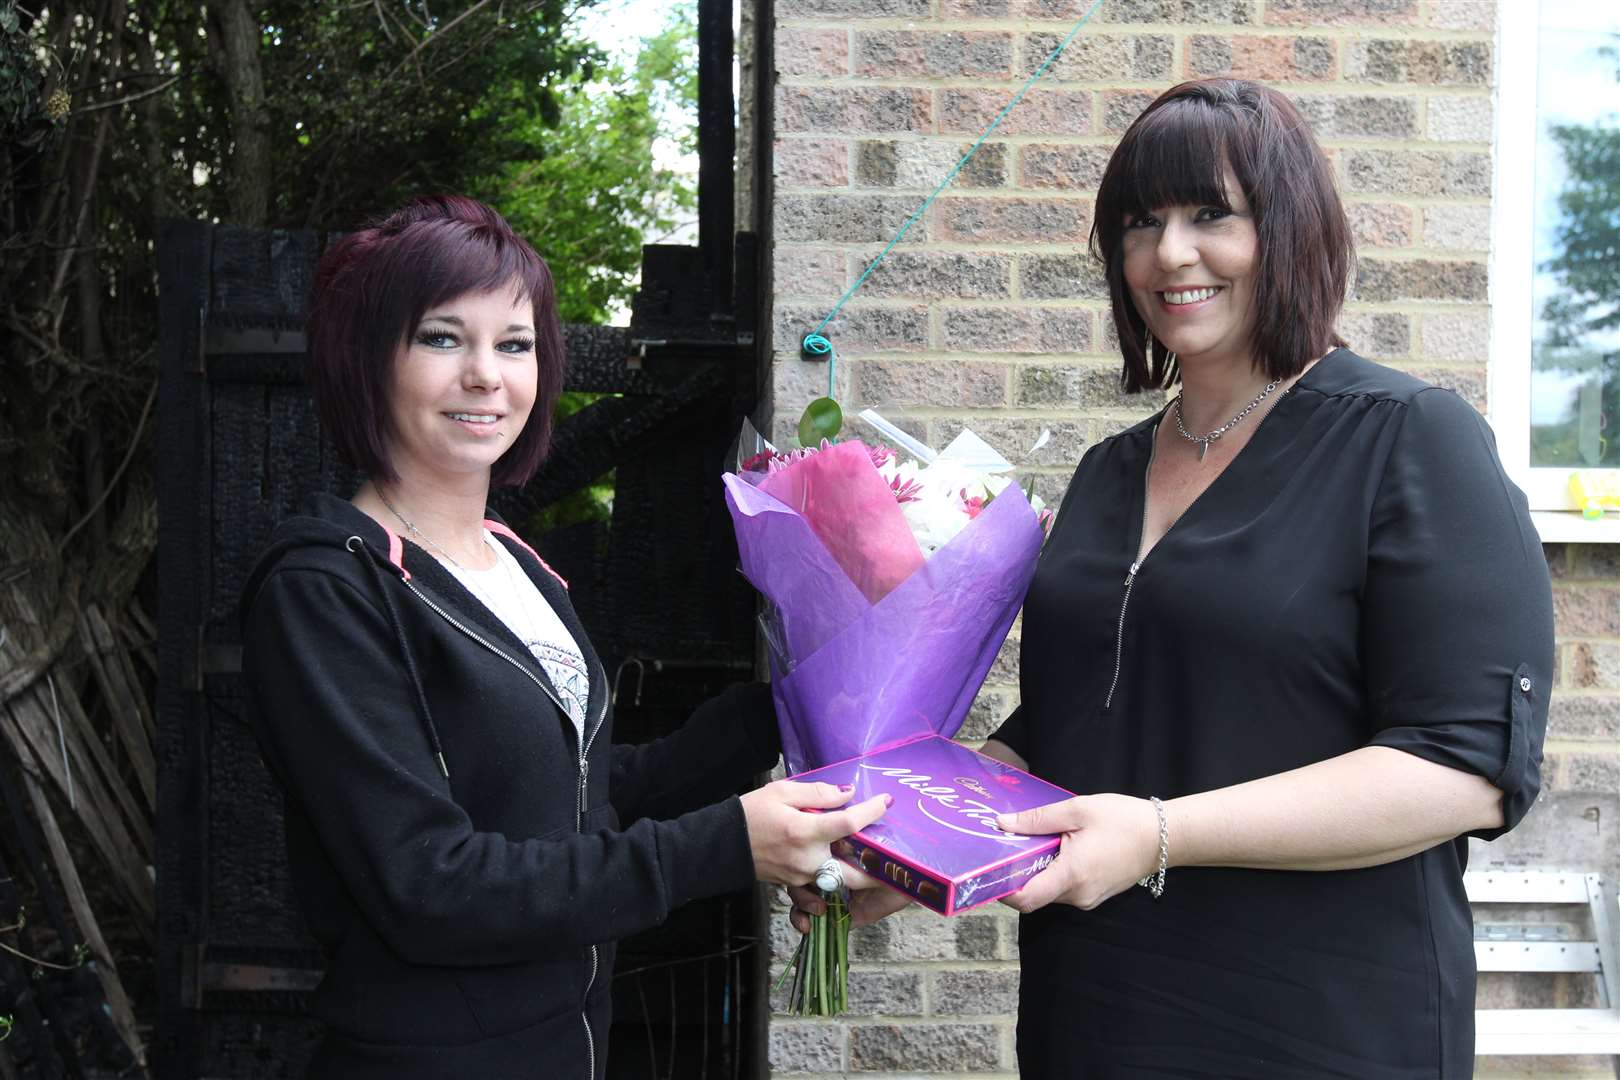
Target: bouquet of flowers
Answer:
pixel 890 583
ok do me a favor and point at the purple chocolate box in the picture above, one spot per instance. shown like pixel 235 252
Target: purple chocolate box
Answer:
pixel 939 843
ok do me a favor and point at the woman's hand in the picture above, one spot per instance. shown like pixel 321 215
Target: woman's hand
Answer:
pixel 1110 842
pixel 788 842
pixel 869 901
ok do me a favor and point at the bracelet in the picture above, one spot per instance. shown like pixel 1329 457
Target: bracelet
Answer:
pixel 1154 883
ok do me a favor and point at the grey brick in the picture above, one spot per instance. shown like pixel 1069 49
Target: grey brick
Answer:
pixel 1099 58
pixel 857 327
pixel 1459 118
pixel 1121 107
pixel 849 219
pixel 950 383
pixel 1012 221
pixel 989 709
pixel 1359 116
pixel 976 992
pixel 925 1048
pixel 937 274
pixel 922 165
pixel 1431 173
pixel 1062 277
pixel 1341 12
pixel 885 992
pixel 1063 166
pixel 853 9
pixel 1071 385
pixel 980 936
pixel 919 934
pixel 806 1046
pixel 1431 63
pixel 1571 772
pixel 1378 335
pixel 1020 329
pixel 1587 716
pixel 950 54
pixel 1419 279
pixel 848 110
pixel 1203 12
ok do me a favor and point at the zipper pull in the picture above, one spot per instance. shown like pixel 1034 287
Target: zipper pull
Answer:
pixel 1130 575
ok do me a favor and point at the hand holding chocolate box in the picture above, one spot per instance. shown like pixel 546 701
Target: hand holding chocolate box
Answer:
pixel 939 842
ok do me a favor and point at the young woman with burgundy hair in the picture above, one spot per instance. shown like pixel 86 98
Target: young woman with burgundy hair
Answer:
pixel 1290 641
pixel 465 840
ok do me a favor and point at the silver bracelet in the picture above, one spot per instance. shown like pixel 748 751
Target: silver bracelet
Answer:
pixel 1154 883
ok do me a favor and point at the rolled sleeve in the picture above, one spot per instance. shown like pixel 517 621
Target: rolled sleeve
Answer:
pixel 1457 625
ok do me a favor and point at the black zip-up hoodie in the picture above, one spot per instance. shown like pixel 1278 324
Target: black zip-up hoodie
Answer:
pixel 464 866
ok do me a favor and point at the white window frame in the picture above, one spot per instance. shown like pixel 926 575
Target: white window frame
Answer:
pixel 1513 167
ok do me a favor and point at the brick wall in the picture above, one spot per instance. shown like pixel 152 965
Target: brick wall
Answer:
pixel 991 313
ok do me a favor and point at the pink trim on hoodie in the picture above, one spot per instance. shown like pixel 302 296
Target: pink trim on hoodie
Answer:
pixel 396 552
pixel 501 530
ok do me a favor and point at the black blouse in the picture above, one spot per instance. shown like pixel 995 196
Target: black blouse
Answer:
pixel 1362 573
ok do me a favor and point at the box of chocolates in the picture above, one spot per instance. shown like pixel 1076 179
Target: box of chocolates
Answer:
pixel 939 843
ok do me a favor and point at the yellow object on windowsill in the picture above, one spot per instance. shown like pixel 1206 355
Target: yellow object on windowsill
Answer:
pixel 1595 492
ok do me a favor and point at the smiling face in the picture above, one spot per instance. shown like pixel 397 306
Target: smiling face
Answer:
pixel 1190 270
pixel 463 384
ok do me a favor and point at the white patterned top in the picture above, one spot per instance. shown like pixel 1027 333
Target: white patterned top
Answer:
pixel 507 591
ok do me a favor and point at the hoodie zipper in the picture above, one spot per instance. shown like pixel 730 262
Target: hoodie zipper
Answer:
pixel 1130 575
pixel 579 800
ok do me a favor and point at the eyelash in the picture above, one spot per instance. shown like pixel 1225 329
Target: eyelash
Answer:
pixel 428 337
pixel 1141 221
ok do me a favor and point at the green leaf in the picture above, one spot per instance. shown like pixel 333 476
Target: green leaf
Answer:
pixel 822 419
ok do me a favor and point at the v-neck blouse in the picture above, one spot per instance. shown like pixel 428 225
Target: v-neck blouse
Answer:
pixel 1362 573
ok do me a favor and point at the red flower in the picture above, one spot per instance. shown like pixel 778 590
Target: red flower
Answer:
pixel 974 506
pixel 759 462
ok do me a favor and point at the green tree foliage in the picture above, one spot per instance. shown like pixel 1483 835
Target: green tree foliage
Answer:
pixel 594 193
pixel 117 115
pixel 1580 319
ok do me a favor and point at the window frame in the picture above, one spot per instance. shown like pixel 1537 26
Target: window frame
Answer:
pixel 1511 273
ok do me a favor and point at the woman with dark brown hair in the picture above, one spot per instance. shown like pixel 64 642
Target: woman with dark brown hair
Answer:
pixel 1291 640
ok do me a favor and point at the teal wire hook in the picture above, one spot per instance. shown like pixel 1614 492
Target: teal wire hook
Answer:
pixel 815 347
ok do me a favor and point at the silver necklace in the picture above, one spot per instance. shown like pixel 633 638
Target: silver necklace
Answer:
pixel 418 533
pixel 1203 441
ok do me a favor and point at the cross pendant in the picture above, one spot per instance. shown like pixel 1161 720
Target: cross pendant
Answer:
pixel 1203 449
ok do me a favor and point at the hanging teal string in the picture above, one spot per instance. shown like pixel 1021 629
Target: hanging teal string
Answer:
pixel 814 345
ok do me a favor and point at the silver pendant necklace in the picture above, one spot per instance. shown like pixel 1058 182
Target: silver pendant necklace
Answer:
pixel 418 533
pixel 1203 441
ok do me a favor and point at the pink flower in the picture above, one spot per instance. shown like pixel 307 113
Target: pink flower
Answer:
pixel 905 490
pixel 759 461
pixel 973 506
pixel 881 456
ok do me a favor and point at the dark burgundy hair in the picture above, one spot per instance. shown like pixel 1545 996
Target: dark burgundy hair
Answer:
pixel 1175 154
pixel 371 290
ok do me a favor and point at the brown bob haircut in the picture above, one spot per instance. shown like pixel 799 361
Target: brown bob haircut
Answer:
pixel 372 289
pixel 1175 154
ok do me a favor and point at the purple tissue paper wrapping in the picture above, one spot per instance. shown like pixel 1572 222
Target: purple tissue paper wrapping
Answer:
pixel 862 676
pixel 938 843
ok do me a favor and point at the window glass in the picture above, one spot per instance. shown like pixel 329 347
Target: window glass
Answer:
pixel 1575 296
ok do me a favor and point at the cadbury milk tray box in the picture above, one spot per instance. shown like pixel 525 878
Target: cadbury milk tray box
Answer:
pixel 939 843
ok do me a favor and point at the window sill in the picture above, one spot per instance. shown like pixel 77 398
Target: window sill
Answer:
pixel 1569 527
